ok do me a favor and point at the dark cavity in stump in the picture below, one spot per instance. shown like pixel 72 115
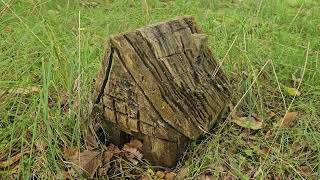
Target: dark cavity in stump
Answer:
pixel 161 85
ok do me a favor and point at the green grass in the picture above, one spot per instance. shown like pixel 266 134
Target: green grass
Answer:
pixel 42 46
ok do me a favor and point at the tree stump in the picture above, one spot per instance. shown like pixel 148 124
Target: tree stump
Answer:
pixel 161 84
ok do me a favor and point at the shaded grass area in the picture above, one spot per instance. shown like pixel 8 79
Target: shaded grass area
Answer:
pixel 55 48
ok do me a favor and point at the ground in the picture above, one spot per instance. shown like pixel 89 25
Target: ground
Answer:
pixel 50 52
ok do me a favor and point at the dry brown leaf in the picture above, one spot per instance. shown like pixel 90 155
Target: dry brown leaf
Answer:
pixel 105 166
pixel 170 176
pixel 271 114
pixel 13 159
pixel 160 174
pixel 69 152
pixel 131 151
pixel 87 161
pixel 288 120
pixel 90 141
pixel 135 143
pixel 110 152
pixel 265 150
pixel 113 148
pixel 305 170
pixel 132 154
pixel 256 117
pixel 107 155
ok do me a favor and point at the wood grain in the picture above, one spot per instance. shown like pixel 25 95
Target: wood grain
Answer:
pixel 157 83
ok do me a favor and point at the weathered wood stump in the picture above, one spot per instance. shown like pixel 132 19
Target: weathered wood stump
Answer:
pixel 161 85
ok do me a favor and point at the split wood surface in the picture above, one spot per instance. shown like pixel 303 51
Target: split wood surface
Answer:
pixel 161 84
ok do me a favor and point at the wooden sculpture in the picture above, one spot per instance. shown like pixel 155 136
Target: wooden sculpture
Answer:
pixel 161 84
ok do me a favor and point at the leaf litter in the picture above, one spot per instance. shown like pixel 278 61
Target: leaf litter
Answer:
pixel 12 160
pixel 288 120
pixel 251 122
pixel 87 161
pixel 97 162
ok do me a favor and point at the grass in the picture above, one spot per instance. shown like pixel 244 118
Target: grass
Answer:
pixel 55 47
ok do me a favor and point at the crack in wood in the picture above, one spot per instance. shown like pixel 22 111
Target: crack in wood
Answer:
pixel 106 76
pixel 141 89
pixel 156 84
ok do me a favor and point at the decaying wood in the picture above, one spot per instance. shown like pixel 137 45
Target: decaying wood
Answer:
pixel 161 84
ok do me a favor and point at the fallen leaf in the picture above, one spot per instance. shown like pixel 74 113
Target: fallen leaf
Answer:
pixel 288 120
pixel 132 152
pixel 256 117
pixel 110 152
pixel 292 91
pixel 306 170
pixel 90 140
pixel 271 114
pixel 135 143
pixel 170 176
pixel 160 174
pixel 265 150
pixel 13 159
pixel 69 152
pixel 248 122
pixel 87 161
pixel 248 152
pixel 107 155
